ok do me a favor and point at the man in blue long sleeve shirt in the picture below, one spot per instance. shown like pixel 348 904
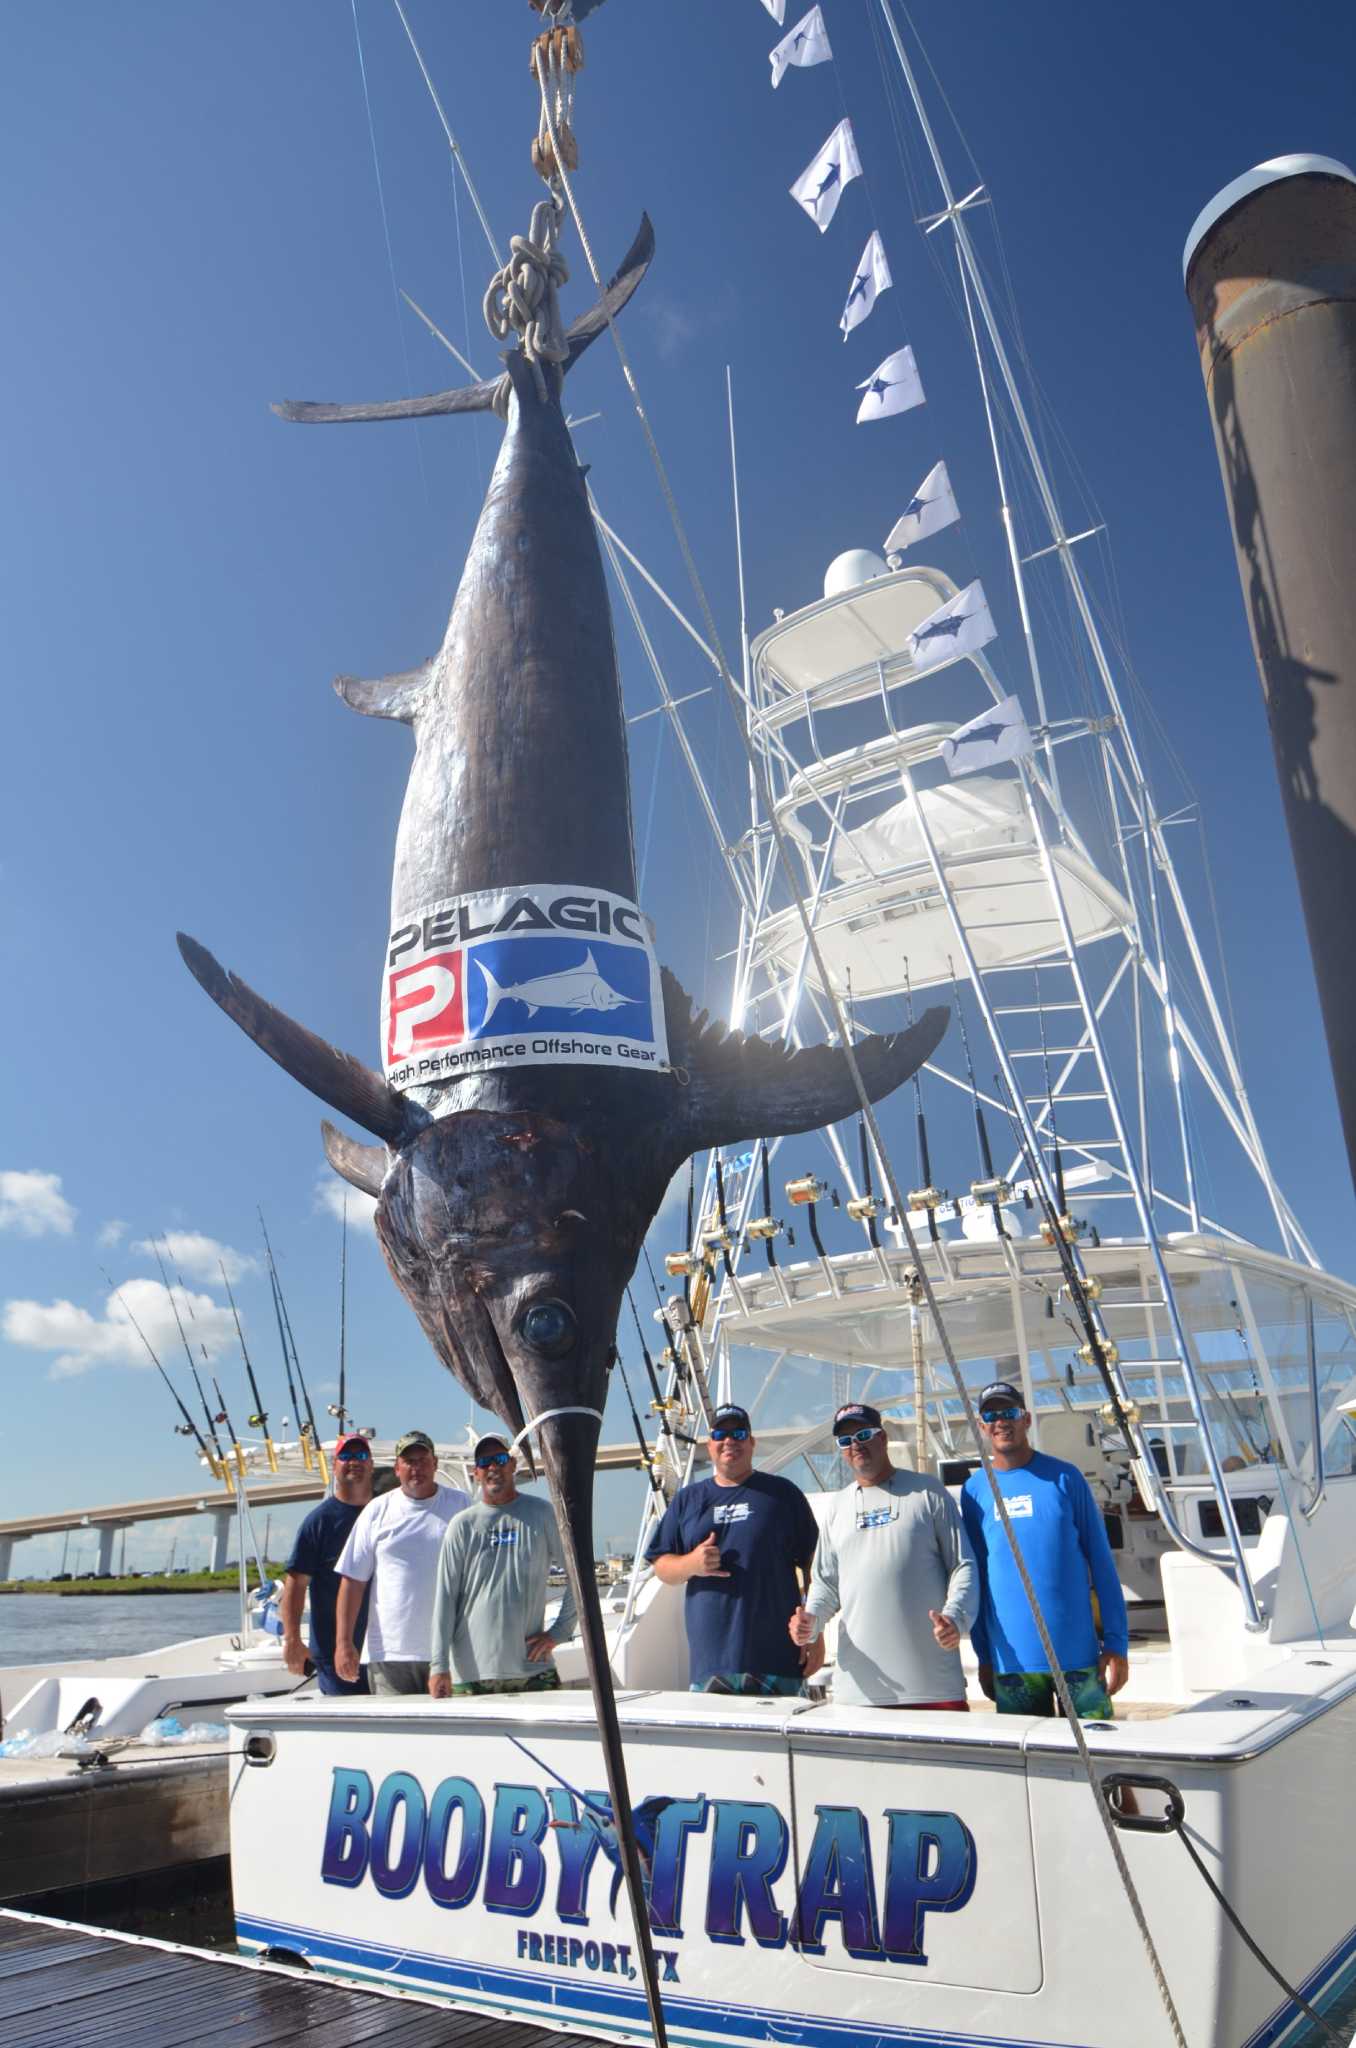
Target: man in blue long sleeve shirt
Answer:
pixel 1065 1549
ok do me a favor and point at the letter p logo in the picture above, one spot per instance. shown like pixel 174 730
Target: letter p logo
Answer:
pixel 424 1006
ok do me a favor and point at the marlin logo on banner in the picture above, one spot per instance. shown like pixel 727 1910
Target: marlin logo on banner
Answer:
pixel 807 44
pixel 535 976
pixel 959 626
pixel 999 734
pixel 892 387
pixel 872 278
pixel 932 506
pixel 820 185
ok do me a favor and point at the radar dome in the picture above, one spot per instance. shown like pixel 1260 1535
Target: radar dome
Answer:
pixel 849 571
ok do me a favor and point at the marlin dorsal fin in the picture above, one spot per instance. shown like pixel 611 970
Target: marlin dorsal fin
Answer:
pixel 388 696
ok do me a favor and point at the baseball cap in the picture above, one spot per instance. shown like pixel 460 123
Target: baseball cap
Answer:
pixel 489 1443
pixel 354 1441
pixel 731 1416
pixel 413 1440
pixel 1001 1390
pixel 861 1413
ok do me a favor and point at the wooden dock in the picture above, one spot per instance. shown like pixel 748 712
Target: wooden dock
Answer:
pixel 61 1983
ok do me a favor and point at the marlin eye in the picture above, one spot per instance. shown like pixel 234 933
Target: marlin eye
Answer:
pixel 549 1328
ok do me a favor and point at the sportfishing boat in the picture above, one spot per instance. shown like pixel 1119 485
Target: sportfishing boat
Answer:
pixel 922 819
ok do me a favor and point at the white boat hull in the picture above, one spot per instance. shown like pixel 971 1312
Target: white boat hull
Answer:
pixel 820 1874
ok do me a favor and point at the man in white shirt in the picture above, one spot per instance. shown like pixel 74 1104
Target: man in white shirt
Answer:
pixel 393 1548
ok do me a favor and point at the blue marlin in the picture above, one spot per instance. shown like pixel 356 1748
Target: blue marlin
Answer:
pixel 512 1201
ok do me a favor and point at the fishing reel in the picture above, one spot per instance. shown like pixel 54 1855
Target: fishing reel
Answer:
pixel 864 1208
pixel 1110 1353
pixel 682 1265
pixel 763 1228
pixel 996 1190
pixel 923 1199
pixel 1069 1230
pixel 808 1189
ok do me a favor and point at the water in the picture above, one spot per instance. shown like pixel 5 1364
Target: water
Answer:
pixel 42 1628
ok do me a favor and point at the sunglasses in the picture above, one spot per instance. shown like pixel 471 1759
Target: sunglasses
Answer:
pixel 494 1458
pixel 353 1458
pixel 858 1436
pixel 999 1414
pixel 734 1436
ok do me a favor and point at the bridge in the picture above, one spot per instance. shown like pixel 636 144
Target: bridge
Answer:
pixel 777 1449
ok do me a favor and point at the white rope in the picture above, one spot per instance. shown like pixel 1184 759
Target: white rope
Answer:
pixel 547 1415
pixel 758 770
pixel 522 298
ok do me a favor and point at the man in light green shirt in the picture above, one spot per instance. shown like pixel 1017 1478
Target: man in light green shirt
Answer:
pixel 489 1604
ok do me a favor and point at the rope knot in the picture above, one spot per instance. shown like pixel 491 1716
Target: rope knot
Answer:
pixel 522 298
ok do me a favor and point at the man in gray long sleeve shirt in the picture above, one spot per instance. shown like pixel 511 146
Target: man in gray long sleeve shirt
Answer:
pixel 489 1606
pixel 894 1560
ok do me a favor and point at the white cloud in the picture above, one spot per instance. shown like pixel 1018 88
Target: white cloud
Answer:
pixel 331 1194
pixel 82 1340
pixel 197 1257
pixel 32 1204
pixel 111 1233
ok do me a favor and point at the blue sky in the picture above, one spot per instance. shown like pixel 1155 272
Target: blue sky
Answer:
pixel 194 229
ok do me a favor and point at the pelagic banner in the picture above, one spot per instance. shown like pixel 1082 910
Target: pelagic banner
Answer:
pixel 542 974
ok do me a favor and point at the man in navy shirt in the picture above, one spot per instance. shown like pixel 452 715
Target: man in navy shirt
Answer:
pixel 1064 1546
pixel 315 1552
pixel 736 1541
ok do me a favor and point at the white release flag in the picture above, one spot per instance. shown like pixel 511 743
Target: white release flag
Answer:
pixel 932 506
pixel 893 386
pixel 959 626
pixel 871 279
pixel 777 9
pixel 820 186
pixel 807 44
pixel 998 734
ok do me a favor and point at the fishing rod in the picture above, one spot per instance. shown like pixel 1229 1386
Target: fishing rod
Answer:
pixel 221 1469
pixel 928 1196
pixel 1099 1351
pixel 723 1236
pixel 285 1323
pixel 224 1417
pixel 259 1419
pixel 660 1405
pixel 189 1427
pixel 343 1321
pixel 1065 1222
pixel 991 1188
pixel 646 1455
pixel 287 1366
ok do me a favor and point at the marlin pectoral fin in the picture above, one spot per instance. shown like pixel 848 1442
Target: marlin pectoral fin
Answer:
pixel 336 1077
pixel 362 1166
pixel 742 1088
pixel 465 398
pixel 616 293
pixel 388 696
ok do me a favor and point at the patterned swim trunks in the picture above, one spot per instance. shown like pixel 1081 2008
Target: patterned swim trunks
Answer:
pixel 1033 1692
pixel 540 1681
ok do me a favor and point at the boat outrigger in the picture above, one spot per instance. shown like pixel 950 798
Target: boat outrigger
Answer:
pixel 795 1868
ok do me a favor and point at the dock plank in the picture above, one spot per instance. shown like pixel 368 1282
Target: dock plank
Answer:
pixel 60 1983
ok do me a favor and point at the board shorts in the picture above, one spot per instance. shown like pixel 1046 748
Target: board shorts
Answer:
pixel 761 1683
pixel 540 1681
pixel 1033 1692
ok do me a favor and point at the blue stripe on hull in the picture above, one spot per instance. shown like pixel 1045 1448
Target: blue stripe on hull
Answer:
pixel 1334 1975
pixel 524 1994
